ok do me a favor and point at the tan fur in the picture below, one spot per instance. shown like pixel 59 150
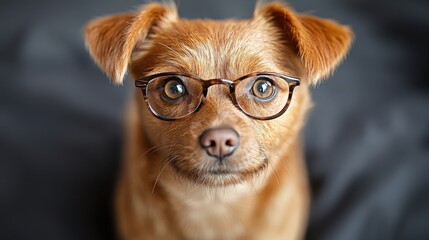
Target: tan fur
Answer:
pixel 163 192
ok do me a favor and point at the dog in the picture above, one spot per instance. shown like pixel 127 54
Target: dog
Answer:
pixel 213 142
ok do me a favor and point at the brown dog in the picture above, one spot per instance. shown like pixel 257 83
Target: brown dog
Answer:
pixel 211 151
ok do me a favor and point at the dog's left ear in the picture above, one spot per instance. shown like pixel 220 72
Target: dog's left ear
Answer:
pixel 320 43
pixel 112 40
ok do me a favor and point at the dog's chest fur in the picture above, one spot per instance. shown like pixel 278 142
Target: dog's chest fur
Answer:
pixel 211 214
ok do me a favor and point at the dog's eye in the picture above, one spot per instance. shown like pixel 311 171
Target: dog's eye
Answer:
pixel 174 89
pixel 263 88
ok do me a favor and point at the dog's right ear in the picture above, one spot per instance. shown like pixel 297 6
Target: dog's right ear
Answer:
pixel 111 40
pixel 321 43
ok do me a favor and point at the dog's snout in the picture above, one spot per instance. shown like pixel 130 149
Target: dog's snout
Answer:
pixel 219 142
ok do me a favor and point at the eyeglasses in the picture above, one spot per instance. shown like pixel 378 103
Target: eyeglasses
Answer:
pixel 262 96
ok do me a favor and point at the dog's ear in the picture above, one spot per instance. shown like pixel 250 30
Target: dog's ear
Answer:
pixel 111 40
pixel 320 43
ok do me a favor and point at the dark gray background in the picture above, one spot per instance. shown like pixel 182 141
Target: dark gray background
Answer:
pixel 367 140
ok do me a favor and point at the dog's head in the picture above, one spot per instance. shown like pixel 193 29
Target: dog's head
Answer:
pixel 215 93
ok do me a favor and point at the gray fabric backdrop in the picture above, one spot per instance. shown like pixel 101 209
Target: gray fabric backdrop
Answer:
pixel 367 140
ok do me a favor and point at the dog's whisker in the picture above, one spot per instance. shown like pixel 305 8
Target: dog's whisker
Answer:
pixel 156 148
pixel 159 175
pixel 266 170
pixel 274 172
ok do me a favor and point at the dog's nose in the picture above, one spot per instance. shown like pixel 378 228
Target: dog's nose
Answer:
pixel 219 142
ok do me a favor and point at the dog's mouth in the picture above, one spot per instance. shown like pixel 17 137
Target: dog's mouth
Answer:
pixel 221 174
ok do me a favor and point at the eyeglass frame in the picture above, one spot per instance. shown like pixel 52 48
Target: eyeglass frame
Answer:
pixel 144 81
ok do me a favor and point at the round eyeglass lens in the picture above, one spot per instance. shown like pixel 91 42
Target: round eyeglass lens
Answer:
pixel 262 96
pixel 173 97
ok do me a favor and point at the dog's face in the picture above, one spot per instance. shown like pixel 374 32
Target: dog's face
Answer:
pixel 227 50
pixel 219 144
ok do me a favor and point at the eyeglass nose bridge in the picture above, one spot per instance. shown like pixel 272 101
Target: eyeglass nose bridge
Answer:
pixel 217 81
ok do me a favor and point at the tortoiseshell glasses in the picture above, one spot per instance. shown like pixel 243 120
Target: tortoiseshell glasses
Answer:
pixel 262 96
